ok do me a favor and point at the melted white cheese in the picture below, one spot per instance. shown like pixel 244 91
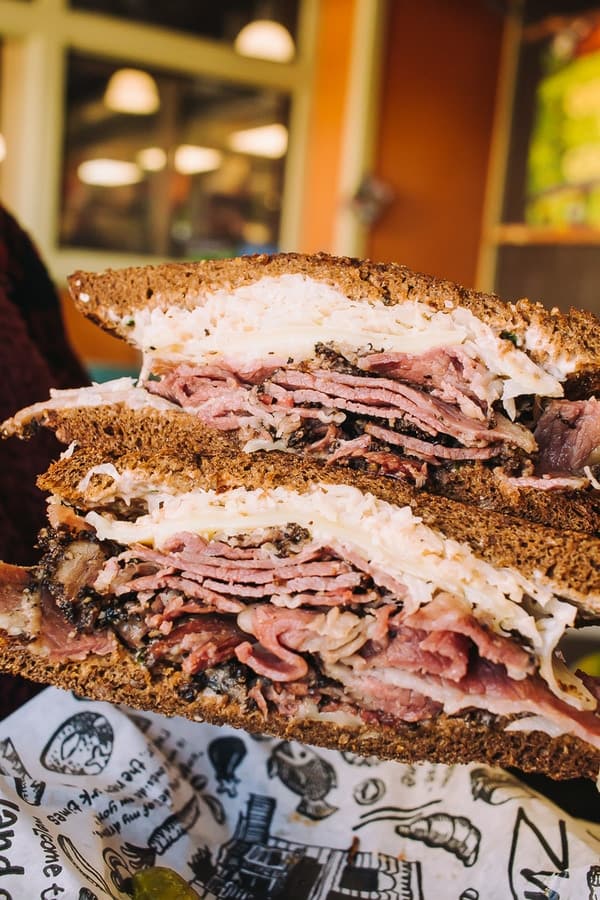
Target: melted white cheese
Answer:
pixel 390 538
pixel 283 318
pixel 536 723
pixel 121 390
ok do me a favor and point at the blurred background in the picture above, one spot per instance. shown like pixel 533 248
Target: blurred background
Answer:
pixel 460 138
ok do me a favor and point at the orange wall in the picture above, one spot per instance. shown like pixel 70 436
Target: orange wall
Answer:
pixel 437 104
pixel 326 124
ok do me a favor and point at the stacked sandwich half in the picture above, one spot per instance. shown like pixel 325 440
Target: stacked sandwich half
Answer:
pixel 343 503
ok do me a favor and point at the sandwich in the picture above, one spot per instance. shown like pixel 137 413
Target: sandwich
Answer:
pixel 283 596
pixel 263 529
pixel 351 364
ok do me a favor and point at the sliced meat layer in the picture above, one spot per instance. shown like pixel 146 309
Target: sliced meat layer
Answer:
pixel 436 417
pixel 278 632
pixel 486 686
pixel 439 653
pixel 449 613
pixel 207 573
pixel 60 641
pixel 389 701
pixel 437 639
pixel 427 451
pixel 328 627
pixel 197 644
pixel 389 399
pixel 447 372
pixel 568 436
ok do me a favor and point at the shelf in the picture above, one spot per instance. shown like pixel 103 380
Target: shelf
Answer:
pixel 520 234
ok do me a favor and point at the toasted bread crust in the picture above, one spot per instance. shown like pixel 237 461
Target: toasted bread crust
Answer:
pixel 568 559
pixel 476 485
pixel 101 295
pixel 449 740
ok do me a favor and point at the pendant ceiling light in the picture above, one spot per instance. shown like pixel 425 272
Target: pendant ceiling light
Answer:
pixel 193 160
pixel 151 159
pixel 109 172
pixel 132 91
pixel 265 39
pixel 269 141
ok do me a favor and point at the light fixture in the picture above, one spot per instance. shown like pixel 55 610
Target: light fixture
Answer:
pixel 152 159
pixel 2 147
pixel 190 159
pixel 109 172
pixel 581 165
pixel 265 39
pixel 266 140
pixel 132 91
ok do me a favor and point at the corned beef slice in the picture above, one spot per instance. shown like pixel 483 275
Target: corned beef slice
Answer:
pixel 568 435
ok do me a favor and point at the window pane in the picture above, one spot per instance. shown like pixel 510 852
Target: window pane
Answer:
pixel 200 173
pixel 554 152
pixel 220 21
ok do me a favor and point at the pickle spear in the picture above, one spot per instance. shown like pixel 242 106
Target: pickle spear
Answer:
pixel 160 883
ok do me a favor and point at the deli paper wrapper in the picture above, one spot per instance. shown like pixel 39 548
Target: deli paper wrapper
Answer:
pixel 91 793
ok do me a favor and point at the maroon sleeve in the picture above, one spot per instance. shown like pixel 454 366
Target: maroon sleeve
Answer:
pixel 34 356
pixel 29 290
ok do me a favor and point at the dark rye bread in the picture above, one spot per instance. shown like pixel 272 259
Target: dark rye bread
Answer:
pixel 117 678
pixel 568 560
pixel 121 429
pixel 102 295
pixel 477 485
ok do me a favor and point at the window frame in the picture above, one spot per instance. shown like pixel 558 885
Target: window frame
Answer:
pixel 36 37
pixel 498 234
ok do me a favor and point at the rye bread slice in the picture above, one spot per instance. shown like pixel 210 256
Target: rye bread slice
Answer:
pixel 106 297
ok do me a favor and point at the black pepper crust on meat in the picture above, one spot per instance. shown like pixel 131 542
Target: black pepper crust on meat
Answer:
pixel 71 563
pixel 67 570
pixel 285 540
pixel 70 586
pixel 329 357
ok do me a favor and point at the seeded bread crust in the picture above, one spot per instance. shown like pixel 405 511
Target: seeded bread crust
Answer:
pixel 566 559
pixel 107 296
pixel 457 739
